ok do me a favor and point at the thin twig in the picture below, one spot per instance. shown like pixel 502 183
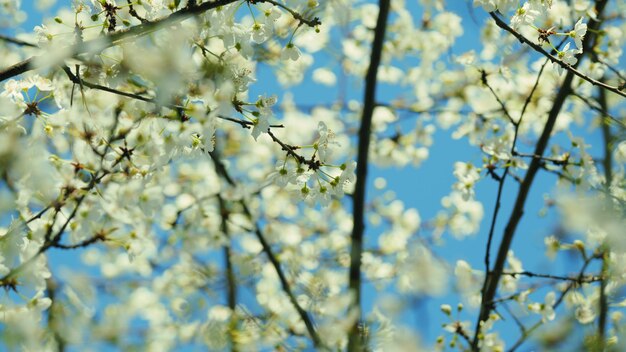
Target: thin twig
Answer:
pixel 483 75
pixel 577 279
pixel 603 112
pixel 17 41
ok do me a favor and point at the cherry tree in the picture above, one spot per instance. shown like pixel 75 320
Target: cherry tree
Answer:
pixel 167 183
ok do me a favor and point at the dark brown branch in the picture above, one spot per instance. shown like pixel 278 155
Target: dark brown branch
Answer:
pixel 610 67
pixel 53 319
pixel 245 123
pixel 546 159
pixel 75 79
pixel 89 241
pixel 133 12
pixel 355 342
pixel 288 148
pixel 603 112
pixel 483 75
pixel 607 163
pixel 579 279
pixel 17 41
pixel 49 240
pixel 231 283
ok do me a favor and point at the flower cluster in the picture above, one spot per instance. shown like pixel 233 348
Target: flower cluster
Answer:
pixel 315 180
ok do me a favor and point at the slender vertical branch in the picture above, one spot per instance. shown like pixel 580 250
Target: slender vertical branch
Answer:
pixel 231 283
pixel 607 162
pixel 493 277
pixel 358 207
pixel 53 319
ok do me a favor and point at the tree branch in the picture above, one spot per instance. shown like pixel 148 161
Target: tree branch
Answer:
pixel 608 179
pixel 231 282
pixel 355 342
pixel 17 41
pixel 579 279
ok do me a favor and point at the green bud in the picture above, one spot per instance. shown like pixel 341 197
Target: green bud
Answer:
pixel 446 309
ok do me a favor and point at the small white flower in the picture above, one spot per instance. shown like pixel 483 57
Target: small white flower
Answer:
pixel 43 84
pixel 568 56
pixel 525 15
pixel 327 137
pixel 264 103
pixel 487 5
pixel 14 89
pixel 283 174
pixel 321 194
pixel 584 313
pixel 271 13
pixel 467 176
pixel 580 29
pixel 324 76
pixel 546 309
pixel 303 193
pixel 492 5
pixel 196 146
pixel 290 52
pixel 260 33
pixel 261 125
pixel 43 35
pixel 347 173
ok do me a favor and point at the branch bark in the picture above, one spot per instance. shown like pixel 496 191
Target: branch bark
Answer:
pixel 231 281
pixel 603 305
pixel 355 342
